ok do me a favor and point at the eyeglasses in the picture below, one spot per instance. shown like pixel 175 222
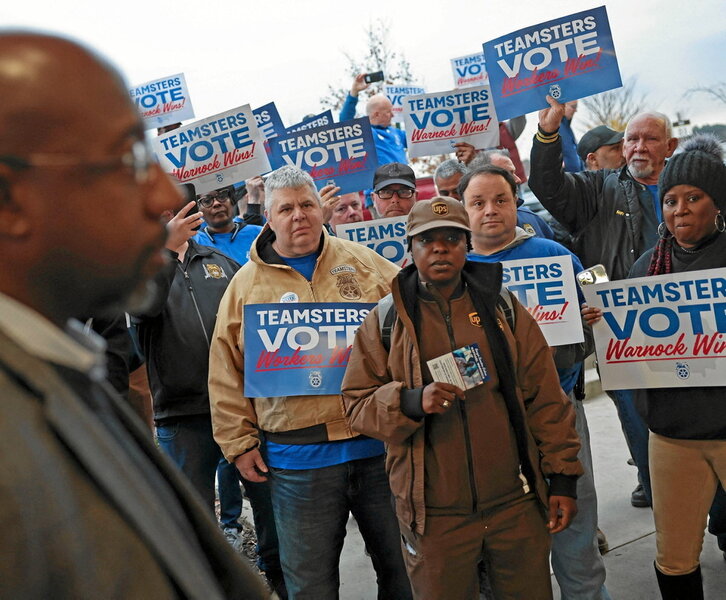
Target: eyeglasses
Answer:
pixel 403 193
pixel 138 160
pixel 208 200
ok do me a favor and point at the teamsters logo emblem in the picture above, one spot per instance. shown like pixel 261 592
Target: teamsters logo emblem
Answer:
pixel 214 271
pixel 439 208
pixel 315 378
pixel 682 370
pixel 555 91
pixel 348 286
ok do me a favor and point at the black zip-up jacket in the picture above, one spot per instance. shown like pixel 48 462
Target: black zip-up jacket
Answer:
pixel 610 214
pixel 176 330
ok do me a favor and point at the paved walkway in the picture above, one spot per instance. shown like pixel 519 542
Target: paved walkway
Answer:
pixel 629 530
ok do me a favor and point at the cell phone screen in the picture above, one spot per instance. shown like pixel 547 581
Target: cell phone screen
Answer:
pixel 373 77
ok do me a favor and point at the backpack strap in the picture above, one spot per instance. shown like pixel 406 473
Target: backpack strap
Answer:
pixel 386 318
pixel 505 304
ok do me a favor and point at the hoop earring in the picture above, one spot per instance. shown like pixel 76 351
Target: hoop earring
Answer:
pixel 720 223
pixel 663 232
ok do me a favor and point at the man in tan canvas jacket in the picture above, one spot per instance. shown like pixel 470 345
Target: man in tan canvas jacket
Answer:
pixel 467 468
pixel 320 470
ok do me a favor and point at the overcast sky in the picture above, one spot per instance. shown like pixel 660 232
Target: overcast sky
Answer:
pixel 288 51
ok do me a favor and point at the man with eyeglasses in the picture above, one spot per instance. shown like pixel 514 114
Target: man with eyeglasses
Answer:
pixel 230 236
pixel 394 190
pixel 89 506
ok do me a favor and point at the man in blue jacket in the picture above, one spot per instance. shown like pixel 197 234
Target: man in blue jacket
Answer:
pixel 390 141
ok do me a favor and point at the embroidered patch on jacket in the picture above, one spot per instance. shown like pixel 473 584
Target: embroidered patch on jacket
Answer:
pixel 288 297
pixel 348 287
pixel 214 271
pixel 475 319
pixel 528 228
pixel 439 208
pixel 342 269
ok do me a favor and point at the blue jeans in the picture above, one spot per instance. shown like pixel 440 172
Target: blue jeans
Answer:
pixel 636 434
pixel 312 508
pixel 576 560
pixel 189 443
pixel 230 494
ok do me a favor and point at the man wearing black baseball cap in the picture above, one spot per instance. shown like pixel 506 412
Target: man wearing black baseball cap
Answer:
pixel 601 148
pixel 466 460
pixel 394 190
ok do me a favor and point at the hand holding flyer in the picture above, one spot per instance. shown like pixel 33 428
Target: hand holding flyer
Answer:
pixel 464 367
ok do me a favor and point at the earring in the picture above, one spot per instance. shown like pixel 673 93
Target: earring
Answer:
pixel 663 232
pixel 720 223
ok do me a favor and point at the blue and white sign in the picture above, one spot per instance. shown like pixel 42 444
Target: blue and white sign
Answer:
pixel 568 58
pixel 268 121
pixel 435 122
pixel 546 287
pixel 469 70
pixel 661 331
pixel 299 349
pixel 396 94
pixel 343 152
pixel 321 120
pixel 214 152
pixel 163 101
pixel 386 236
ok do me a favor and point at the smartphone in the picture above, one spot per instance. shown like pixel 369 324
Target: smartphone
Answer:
pixel 373 77
pixel 596 274
pixel 190 194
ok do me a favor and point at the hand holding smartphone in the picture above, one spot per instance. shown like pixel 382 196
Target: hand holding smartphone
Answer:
pixel 373 77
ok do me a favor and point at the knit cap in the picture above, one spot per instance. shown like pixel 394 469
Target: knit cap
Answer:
pixel 700 165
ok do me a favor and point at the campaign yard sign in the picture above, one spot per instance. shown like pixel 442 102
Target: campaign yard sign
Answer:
pixel 214 152
pixel 324 118
pixel 386 236
pixel 163 101
pixel 469 70
pixel 661 331
pixel 434 122
pixel 343 152
pixel 268 121
pixel 396 94
pixel 546 287
pixel 299 349
pixel 567 58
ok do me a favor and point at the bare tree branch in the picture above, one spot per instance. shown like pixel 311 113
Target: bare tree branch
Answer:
pixel 718 91
pixel 614 108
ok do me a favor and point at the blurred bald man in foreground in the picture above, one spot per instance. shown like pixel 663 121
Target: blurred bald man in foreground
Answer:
pixel 88 506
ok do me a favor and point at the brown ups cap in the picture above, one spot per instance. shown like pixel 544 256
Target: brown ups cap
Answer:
pixel 435 213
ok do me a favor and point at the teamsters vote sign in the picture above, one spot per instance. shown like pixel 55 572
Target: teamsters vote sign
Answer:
pixel 344 152
pixel 396 94
pixel 568 58
pixel 163 101
pixel 214 152
pixel 546 287
pixel 268 120
pixel 434 122
pixel 469 70
pixel 661 331
pixel 299 349
pixel 386 236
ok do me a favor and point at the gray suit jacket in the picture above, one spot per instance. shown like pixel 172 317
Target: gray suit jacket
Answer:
pixel 89 508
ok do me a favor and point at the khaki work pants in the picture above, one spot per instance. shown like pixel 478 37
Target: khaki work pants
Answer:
pixel 515 544
pixel 684 475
